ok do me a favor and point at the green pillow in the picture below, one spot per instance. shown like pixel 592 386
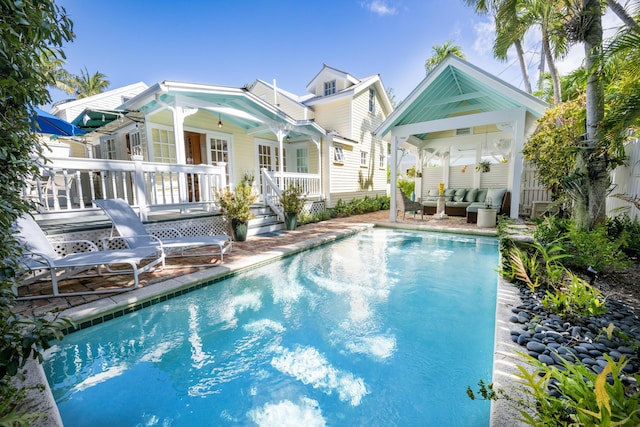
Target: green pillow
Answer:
pixel 471 195
pixel 459 196
pixel 482 195
pixel 433 192
pixel 449 192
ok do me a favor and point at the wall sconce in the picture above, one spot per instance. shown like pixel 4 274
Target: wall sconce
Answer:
pixel 219 121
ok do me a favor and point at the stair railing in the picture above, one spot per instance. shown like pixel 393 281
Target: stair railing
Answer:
pixel 271 194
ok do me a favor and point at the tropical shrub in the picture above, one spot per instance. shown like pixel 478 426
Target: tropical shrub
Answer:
pixel 407 186
pixel 624 230
pixel 359 206
pixel 596 249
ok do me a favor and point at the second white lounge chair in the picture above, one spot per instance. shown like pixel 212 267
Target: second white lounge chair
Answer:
pixel 135 235
pixel 42 260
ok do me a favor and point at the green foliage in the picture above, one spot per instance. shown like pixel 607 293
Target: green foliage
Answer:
pixel 360 206
pixel 305 218
pixel 581 397
pixel 407 186
pixel 237 204
pixel 577 299
pixel 291 200
pixel 595 248
pixel 32 33
pixel 551 228
pixel 485 391
pixel 553 146
pixel 625 231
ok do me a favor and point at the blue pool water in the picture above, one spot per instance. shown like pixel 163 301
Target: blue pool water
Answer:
pixel 385 328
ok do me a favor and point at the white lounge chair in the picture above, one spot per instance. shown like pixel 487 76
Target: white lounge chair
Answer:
pixel 41 259
pixel 135 235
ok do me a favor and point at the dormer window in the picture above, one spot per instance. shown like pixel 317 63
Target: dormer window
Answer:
pixel 329 88
pixel 372 101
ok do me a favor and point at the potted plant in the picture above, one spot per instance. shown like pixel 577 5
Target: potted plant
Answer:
pixel 483 166
pixel 236 207
pixel 292 203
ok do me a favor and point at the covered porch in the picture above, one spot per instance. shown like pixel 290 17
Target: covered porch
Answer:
pixel 466 129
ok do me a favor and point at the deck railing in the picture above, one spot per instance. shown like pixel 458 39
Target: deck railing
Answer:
pixel 70 184
pixel 274 182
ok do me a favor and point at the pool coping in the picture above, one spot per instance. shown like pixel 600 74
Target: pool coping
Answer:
pixel 504 358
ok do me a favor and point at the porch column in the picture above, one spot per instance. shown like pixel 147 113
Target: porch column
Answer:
pixel 179 113
pixel 316 141
pixel 280 134
pixel 515 171
pixel 395 143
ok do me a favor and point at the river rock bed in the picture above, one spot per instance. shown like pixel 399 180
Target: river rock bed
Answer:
pixel 550 338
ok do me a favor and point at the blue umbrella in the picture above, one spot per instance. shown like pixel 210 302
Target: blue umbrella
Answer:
pixel 43 122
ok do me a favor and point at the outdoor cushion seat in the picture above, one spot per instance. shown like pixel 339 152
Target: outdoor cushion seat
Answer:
pixel 135 235
pixel 499 199
pixel 41 260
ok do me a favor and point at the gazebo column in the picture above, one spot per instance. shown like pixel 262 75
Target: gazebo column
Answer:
pixel 395 143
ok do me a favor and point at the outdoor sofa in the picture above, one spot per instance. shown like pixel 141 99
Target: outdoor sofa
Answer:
pixel 467 201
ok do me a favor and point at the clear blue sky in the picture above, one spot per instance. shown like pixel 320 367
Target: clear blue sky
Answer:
pixel 231 43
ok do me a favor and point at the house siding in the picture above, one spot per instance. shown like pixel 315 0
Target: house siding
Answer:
pixel 335 116
pixel 290 107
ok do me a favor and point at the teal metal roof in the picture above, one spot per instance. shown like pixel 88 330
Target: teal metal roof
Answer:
pixel 457 88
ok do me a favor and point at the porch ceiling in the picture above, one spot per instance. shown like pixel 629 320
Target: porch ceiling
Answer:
pixel 457 88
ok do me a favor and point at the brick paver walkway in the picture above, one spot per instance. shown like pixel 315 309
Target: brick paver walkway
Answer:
pixel 254 245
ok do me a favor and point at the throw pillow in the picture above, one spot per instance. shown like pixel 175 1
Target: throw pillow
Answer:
pixel 432 195
pixel 459 196
pixel 482 195
pixel 471 195
pixel 495 195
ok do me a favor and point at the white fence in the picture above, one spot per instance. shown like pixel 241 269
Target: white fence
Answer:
pixel 626 182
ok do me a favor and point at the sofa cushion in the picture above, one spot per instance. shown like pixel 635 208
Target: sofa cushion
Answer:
pixel 449 192
pixel 459 195
pixel 455 204
pixel 432 194
pixel 495 196
pixel 471 195
pixel 481 195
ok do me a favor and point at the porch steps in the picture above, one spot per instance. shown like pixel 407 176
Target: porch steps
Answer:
pixel 265 221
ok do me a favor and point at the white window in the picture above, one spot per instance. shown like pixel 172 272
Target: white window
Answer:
pixel 135 144
pixel 372 100
pixel 381 161
pixel 219 152
pixel 302 160
pixel 338 154
pixel 108 147
pixel 363 158
pixel 329 87
pixel 164 147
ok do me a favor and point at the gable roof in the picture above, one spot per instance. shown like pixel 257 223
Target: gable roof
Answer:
pixel 354 90
pixel 236 105
pixel 457 88
pixel 328 72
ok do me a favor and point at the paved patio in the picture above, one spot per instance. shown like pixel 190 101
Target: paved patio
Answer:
pixel 243 254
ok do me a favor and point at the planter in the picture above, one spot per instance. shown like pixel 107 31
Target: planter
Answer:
pixel 290 221
pixel 239 229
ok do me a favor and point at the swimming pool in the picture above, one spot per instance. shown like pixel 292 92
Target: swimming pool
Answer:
pixel 382 328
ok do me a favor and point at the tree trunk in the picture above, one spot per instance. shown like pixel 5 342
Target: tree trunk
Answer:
pixel 555 78
pixel 591 162
pixel 621 13
pixel 523 65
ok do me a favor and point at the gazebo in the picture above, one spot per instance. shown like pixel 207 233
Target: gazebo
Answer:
pixel 461 116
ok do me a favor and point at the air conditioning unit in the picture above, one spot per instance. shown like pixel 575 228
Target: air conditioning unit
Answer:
pixel 463 131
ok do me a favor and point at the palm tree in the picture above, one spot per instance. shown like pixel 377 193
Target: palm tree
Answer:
pixel 88 85
pixel 504 33
pixel 440 52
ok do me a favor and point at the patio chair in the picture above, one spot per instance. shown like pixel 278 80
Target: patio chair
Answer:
pixel 405 205
pixel 41 260
pixel 135 235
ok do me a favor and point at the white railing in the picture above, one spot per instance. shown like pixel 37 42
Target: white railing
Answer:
pixel 70 184
pixel 271 194
pixel 274 182
pixel 310 183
